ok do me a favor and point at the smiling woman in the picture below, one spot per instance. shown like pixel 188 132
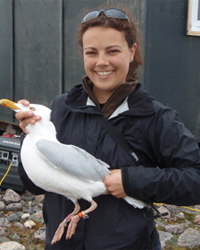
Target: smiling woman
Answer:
pixel 168 153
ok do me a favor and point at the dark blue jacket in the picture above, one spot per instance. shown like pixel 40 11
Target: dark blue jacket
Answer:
pixel 169 170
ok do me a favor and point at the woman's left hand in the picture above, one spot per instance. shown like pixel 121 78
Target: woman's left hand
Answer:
pixel 113 183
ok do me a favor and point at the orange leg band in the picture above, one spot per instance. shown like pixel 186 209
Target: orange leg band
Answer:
pixel 81 214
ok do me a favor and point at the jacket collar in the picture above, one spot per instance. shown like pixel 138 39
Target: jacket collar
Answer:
pixel 138 103
pixel 115 100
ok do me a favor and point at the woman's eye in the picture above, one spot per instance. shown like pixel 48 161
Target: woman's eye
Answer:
pixel 90 53
pixel 114 51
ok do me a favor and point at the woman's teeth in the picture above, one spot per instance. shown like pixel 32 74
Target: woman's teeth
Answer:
pixel 104 73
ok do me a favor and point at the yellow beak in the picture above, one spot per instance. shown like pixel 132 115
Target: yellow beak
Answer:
pixel 9 104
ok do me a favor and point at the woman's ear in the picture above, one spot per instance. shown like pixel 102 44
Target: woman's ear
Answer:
pixel 132 51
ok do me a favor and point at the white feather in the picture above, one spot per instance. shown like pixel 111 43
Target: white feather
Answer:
pixel 73 180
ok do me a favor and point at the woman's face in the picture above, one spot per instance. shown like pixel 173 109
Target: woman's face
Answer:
pixel 106 59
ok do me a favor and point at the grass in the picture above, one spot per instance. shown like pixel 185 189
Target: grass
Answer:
pixel 172 243
pixel 26 236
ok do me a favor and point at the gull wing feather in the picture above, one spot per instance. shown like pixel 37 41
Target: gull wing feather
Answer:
pixel 73 160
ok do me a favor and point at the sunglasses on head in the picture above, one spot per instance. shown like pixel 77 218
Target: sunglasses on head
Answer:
pixel 113 13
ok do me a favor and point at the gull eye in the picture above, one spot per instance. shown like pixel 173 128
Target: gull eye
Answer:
pixel 32 109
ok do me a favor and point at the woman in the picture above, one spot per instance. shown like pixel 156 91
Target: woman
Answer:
pixel 169 169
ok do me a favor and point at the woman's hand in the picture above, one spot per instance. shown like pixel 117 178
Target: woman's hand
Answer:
pixel 26 117
pixel 114 185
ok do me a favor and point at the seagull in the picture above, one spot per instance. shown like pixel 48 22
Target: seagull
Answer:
pixel 46 161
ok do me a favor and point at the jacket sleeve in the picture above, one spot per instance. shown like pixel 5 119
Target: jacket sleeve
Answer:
pixel 29 185
pixel 177 178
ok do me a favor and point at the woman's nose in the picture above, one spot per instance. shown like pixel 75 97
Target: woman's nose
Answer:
pixel 102 60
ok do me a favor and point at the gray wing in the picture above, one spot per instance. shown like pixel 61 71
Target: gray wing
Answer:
pixel 72 159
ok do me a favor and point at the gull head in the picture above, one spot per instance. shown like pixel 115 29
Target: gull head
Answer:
pixel 38 110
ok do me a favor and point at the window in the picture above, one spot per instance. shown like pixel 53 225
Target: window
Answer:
pixel 193 25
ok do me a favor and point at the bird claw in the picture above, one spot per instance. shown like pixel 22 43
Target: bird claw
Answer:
pixel 73 219
pixel 59 232
pixel 70 231
pixel 72 226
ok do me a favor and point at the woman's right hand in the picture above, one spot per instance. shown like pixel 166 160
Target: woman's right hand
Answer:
pixel 26 117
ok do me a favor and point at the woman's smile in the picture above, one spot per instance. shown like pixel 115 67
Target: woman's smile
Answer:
pixel 104 74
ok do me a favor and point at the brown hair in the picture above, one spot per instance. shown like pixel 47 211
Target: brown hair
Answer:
pixel 130 34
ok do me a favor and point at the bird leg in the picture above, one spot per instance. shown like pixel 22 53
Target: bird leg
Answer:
pixel 59 232
pixel 75 219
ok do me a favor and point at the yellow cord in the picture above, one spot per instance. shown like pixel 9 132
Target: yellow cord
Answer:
pixel 6 173
pixel 196 210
